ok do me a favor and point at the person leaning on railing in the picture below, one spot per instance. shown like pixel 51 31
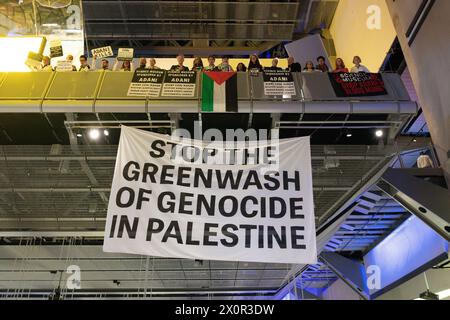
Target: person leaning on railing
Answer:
pixel 358 66
pixel 225 65
pixel 322 66
pixel 211 64
pixel 293 66
pixel 142 64
pixel 84 66
pixel 179 66
pixel 340 66
pixel 254 64
pixel 274 65
pixel 309 67
pixel 241 67
pixel 152 64
pixel 197 64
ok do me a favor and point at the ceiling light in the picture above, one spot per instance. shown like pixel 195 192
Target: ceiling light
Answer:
pixel 106 132
pixel 349 135
pixel 94 134
pixel 79 135
pixel 379 133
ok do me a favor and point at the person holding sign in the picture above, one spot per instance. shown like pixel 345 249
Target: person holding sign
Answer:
pixel 179 67
pixel 45 65
pixel 70 59
pixel 126 66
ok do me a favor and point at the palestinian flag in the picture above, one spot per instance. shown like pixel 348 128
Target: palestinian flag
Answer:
pixel 219 91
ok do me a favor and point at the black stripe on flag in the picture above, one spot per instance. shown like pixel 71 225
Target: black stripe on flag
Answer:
pixel 231 100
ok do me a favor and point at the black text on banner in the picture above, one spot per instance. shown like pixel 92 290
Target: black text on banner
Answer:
pixel 179 84
pixel 146 83
pixel 278 83
pixel 195 209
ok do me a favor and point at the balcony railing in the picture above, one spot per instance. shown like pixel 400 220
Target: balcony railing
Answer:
pixel 100 91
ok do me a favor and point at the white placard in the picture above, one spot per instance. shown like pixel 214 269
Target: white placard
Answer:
pixel 64 66
pixel 162 204
pixel 102 52
pixel 125 54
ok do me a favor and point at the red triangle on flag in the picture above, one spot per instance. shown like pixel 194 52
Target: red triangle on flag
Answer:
pixel 219 77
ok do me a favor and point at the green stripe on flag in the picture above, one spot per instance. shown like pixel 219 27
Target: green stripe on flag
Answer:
pixel 207 94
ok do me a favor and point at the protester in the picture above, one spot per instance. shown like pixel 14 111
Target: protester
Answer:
pixel 225 66
pixel 340 66
pixel 322 66
pixel 152 64
pixel 179 67
pixel 274 65
pixel 104 64
pixel 293 66
pixel 211 64
pixel 254 64
pixel 424 161
pixel 126 66
pixel 45 65
pixel 309 67
pixel 197 64
pixel 69 57
pixel 84 66
pixel 241 67
pixel 358 66
pixel 142 64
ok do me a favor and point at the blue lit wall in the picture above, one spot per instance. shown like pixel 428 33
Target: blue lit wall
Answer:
pixel 406 250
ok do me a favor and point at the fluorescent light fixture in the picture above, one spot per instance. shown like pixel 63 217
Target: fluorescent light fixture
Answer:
pixel 94 134
pixel 379 133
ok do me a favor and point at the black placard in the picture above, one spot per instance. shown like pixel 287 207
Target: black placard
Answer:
pixel 357 84
pixel 179 84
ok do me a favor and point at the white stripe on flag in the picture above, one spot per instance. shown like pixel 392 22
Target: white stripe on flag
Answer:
pixel 220 97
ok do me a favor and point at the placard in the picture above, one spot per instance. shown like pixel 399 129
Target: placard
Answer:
pixel 179 84
pixel 357 84
pixel 125 54
pixel 278 83
pixel 146 83
pixel 188 199
pixel 64 66
pixel 56 49
pixel 102 52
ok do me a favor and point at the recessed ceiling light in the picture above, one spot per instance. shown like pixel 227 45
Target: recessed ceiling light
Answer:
pixel 94 134
pixel 379 133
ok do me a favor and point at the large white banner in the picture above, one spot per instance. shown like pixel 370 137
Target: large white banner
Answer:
pixel 185 199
